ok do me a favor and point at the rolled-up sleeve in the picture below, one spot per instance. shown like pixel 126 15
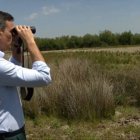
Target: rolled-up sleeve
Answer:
pixel 14 75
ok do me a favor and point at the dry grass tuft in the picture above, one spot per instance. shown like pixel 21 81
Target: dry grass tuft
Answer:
pixel 79 91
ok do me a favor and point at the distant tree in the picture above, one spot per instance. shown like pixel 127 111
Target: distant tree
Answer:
pixel 105 38
pixel 108 37
pixel 125 38
pixel 74 42
pixel 136 39
pixel 91 40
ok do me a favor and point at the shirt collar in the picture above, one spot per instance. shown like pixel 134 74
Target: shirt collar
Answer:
pixel 2 54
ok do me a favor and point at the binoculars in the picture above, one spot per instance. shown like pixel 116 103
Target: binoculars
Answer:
pixel 17 40
pixel 33 29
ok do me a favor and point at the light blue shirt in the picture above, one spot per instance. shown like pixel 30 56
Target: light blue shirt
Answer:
pixel 12 76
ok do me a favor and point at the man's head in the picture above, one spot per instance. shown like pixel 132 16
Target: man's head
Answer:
pixel 6 25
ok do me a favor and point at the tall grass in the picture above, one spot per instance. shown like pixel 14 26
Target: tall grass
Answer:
pixel 78 91
pixel 87 85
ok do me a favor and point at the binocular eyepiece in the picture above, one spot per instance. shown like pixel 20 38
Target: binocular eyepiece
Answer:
pixel 33 29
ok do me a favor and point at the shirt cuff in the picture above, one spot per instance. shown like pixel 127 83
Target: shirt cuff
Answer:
pixel 39 65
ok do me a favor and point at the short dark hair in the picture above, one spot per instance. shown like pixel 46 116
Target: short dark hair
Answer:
pixel 4 16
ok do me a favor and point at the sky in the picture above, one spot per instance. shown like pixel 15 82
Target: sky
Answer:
pixel 56 18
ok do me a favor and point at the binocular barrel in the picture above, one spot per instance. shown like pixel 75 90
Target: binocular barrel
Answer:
pixel 33 29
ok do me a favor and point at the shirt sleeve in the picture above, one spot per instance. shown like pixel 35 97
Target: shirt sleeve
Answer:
pixel 14 75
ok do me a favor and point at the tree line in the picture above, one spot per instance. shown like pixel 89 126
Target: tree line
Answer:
pixel 105 38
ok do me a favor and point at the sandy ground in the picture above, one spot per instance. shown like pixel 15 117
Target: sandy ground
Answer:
pixel 118 49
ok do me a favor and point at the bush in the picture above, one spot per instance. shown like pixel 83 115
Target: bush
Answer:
pixel 78 91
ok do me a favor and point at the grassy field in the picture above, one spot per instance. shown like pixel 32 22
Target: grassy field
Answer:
pixel 124 125
pixel 95 95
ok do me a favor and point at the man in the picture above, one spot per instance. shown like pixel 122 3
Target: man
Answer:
pixel 12 75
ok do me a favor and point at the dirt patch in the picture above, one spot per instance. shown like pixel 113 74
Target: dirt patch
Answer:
pixel 113 49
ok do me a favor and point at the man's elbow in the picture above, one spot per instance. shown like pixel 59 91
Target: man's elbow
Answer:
pixel 48 79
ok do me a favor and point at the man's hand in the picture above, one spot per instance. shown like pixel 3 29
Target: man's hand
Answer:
pixel 27 37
